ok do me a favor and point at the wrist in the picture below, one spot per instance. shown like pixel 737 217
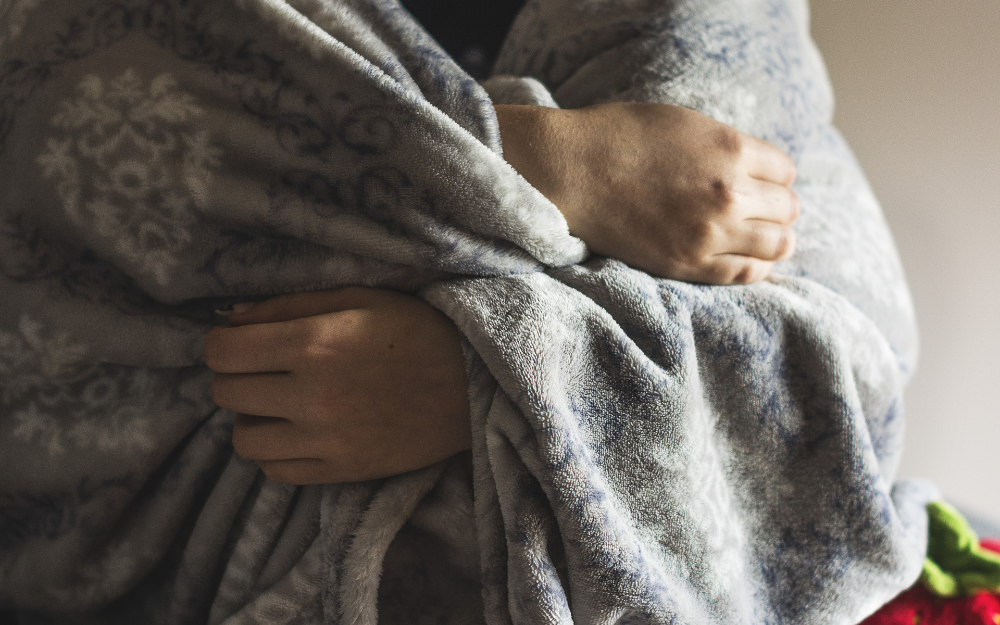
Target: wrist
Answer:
pixel 535 143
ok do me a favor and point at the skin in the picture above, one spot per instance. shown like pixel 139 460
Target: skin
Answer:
pixel 359 383
pixel 703 202
pixel 345 385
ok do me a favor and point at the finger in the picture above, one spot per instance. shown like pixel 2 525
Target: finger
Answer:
pixel 261 394
pixel 336 468
pixel 268 439
pixel 762 240
pixel 768 201
pixel 736 269
pixel 298 305
pixel 301 471
pixel 255 348
pixel 768 163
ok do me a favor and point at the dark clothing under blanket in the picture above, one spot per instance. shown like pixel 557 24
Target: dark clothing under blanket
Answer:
pixel 471 32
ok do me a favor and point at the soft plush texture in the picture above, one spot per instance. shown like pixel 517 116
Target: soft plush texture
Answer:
pixel 645 450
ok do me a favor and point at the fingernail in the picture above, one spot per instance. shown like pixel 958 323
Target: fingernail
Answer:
pixel 242 307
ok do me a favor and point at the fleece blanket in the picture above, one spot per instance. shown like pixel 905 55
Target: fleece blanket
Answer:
pixel 646 451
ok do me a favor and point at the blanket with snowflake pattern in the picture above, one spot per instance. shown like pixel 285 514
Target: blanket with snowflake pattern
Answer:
pixel 646 451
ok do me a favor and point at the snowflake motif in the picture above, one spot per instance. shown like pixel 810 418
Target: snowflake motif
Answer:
pixel 59 400
pixel 28 360
pixel 129 168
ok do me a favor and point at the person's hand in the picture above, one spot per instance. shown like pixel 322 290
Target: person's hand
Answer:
pixel 663 188
pixel 341 386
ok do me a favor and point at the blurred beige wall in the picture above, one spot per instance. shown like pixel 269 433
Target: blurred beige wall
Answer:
pixel 918 97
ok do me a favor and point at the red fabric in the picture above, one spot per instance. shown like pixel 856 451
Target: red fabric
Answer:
pixel 918 606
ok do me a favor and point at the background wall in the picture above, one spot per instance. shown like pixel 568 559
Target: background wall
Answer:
pixel 918 97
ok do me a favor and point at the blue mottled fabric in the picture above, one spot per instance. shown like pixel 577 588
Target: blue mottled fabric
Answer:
pixel 645 450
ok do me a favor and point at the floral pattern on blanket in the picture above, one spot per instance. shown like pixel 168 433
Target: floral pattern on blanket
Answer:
pixel 63 403
pixel 132 167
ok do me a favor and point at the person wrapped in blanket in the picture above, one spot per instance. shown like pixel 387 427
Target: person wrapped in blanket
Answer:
pixel 361 383
pixel 702 203
pixel 672 188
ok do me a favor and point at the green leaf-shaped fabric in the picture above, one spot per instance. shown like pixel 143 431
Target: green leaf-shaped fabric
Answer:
pixel 956 564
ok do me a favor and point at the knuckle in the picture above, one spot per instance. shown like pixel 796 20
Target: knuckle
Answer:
pixel 730 140
pixel 786 244
pixel 714 274
pixel 314 347
pixel 751 272
pixel 315 341
pixel 728 198
pixel 320 340
pixel 723 193
pixel 768 242
pixel 744 274
pixel 357 329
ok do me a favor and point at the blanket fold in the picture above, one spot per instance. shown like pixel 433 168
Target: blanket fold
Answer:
pixel 645 451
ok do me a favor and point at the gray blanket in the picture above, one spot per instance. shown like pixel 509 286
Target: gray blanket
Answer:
pixel 645 451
